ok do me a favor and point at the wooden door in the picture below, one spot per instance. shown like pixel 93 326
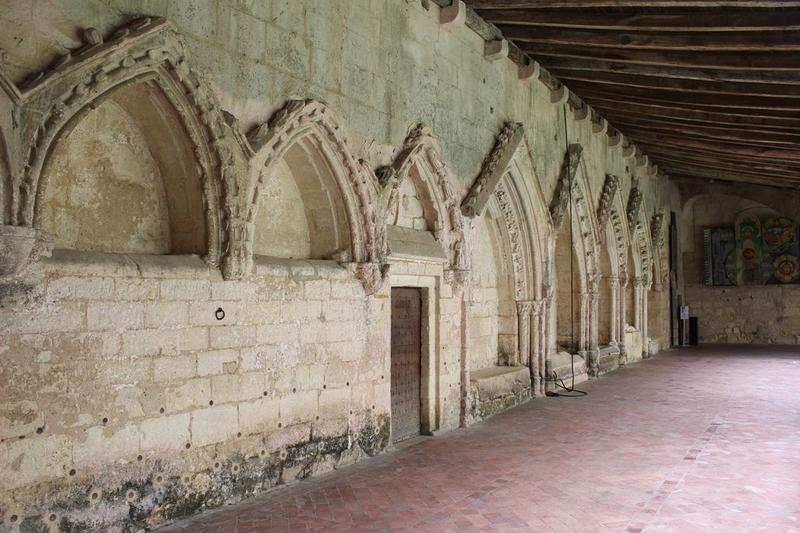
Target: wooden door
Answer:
pixel 406 362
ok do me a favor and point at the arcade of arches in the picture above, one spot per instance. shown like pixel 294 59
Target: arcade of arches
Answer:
pixel 246 244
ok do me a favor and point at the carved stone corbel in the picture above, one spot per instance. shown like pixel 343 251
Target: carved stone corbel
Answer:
pixel 454 15
pixel 634 203
pixel 656 233
pixel 569 167
pixel 606 199
pixel 494 166
pixel 495 49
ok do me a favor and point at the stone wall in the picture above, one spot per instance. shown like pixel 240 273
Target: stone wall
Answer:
pixel 765 314
pixel 114 350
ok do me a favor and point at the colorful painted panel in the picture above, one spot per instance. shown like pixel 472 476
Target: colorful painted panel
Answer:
pixel 748 250
pixel 753 252
pixel 720 250
pixel 781 250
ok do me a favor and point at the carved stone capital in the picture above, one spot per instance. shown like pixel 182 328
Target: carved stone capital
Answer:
pixel 524 308
pixel 613 282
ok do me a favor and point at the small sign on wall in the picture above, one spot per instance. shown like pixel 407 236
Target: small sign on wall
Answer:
pixel 684 310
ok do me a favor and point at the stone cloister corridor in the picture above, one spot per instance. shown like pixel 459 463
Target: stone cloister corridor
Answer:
pixel 334 264
pixel 694 440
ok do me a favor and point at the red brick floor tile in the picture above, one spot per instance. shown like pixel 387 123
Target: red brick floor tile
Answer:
pixel 700 440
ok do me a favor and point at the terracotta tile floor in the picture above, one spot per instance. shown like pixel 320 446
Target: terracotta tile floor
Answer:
pixel 693 440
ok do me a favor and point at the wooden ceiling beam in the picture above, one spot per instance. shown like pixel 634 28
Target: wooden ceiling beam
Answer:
pixel 746 150
pixel 663 20
pixel 697 168
pixel 742 41
pixel 685 109
pixel 684 73
pixel 784 61
pixel 681 175
pixel 620 116
pixel 641 4
pixel 633 132
pixel 710 133
pixel 660 149
pixel 711 171
pixel 695 116
pixel 591 95
pixel 661 156
pixel 767 90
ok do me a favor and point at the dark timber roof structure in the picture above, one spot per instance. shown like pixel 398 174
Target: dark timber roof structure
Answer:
pixel 708 89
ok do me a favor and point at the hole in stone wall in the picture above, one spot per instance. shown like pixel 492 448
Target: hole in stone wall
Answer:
pixel 138 457
pixel 72 472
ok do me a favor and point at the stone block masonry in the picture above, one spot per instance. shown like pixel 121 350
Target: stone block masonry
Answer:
pixel 156 385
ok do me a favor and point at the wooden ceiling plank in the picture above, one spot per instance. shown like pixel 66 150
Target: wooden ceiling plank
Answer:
pixel 687 73
pixel 741 41
pixel 784 61
pixel 675 174
pixel 760 167
pixel 718 146
pixel 664 20
pixel 766 90
pixel 690 116
pixel 632 130
pixel 684 107
pixel 622 99
pixel 658 149
pixel 679 177
pixel 711 133
pixel 670 167
pixel 642 4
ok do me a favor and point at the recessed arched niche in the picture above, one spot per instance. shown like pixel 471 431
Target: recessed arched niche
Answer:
pixel 122 177
pixel 568 289
pixel 301 213
pixel 607 271
pixel 493 317
pixel 415 208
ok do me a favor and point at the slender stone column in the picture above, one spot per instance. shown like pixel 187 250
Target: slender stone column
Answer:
pixel 583 333
pixel 537 354
pixel 524 309
pixel 613 283
pixel 623 317
pixel 637 303
pixel 645 340
pixel 593 353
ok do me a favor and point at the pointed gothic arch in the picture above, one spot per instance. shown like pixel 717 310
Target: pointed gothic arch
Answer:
pixel 342 194
pixel 420 165
pixel 144 54
pixel 508 191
